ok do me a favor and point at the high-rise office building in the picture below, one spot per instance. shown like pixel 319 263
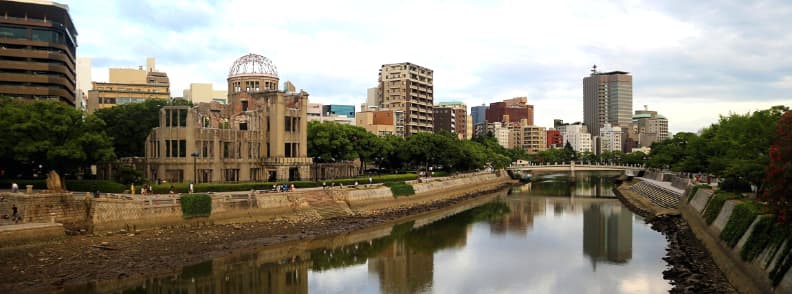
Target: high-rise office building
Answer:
pixel 408 88
pixel 607 98
pixel 39 43
pixel 479 114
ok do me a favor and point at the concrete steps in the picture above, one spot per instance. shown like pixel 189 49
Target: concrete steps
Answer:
pixel 658 196
pixel 325 206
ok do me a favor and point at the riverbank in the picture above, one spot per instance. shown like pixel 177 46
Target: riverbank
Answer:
pixel 691 268
pixel 51 266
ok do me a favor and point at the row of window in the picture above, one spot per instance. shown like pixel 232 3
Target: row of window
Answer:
pixel 205 149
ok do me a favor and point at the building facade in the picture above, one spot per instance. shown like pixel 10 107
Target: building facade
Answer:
pixel 260 135
pixel 39 43
pixel 204 92
pixel 337 110
pixel 444 119
pixel 554 139
pixel 511 110
pixel 577 136
pixel 649 127
pixel 127 85
pixel 533 139
pixel 502 134
pixel 408 88
pixel 460 118
pixel 479 114
pixel 607 98
pixel 610 138
pixel 380 123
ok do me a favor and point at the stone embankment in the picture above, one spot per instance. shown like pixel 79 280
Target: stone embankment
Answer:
pixel 126 244
pixel 692 270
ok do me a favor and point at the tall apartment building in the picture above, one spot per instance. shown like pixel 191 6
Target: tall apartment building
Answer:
pixel 408 88
pixel 511 111
pixel 260 135
pixel 607 98
pixel 649 127
pixel 610 138
pixel 128 85
pixel 37 59
pixel 460 117
pixel 204 92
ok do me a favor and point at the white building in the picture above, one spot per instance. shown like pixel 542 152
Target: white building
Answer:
pixel 501 133
pixel 610 138
pixel 577 135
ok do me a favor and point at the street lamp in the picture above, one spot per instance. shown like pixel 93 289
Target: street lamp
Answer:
pixel 195 168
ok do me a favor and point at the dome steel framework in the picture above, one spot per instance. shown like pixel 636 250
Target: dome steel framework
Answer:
pixel 253 64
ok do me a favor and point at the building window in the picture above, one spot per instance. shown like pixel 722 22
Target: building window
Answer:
pixel 244 105
pixel 290 149
pixel 231 175
pixel 255 174
pixel 174 175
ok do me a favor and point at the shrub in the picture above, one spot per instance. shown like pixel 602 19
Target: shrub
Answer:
pixel 196 205
pixel 739 221
pixel 715 204
pixel 400 189
pixel 760 238
pixel 93 185
pixel 734 184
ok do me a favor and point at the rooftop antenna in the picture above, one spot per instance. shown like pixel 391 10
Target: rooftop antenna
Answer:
pixel 594 69
pixel 646 107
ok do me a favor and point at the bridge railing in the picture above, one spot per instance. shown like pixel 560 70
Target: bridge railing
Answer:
pixel 577 164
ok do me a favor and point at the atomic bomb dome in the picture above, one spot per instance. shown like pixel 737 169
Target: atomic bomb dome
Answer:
pixel 253 65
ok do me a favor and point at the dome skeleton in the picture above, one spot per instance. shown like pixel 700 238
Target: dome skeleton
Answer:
pixel 253 64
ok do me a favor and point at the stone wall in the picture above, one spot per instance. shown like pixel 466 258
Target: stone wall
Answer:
pixel 747 277
pixel 109 213
pixel 70 210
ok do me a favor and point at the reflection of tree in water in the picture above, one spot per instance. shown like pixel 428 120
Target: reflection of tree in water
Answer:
pixel 520 220
pixel 586 184
pixel 607 234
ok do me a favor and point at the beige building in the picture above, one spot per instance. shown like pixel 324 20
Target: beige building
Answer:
pixel 261 135
pixel 408 88
pixel 532 139
pixel 127 85
pixel 204 92
pixel 380 123
pixel 649 127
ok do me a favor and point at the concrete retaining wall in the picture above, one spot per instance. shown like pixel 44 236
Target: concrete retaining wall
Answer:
pixel 67 209
pixel 747 277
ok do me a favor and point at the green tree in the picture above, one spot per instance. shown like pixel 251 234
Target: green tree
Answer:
pixel 130 124
pixel 51 135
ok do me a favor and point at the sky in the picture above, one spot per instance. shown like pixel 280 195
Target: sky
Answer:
pixel 691 60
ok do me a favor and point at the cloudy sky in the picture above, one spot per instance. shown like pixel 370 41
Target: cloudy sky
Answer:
pixel 690 60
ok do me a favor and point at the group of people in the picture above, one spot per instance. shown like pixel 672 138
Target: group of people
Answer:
pixel 283 188
pixel 341 185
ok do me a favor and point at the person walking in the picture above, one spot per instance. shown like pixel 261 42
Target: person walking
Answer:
pixel 191 188
pixel 371 181
pixel 14 187
pixel 132 188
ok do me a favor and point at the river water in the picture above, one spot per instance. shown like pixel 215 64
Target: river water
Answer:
pixel 548 236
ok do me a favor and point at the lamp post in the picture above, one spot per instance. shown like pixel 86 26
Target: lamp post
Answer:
pixel 195 168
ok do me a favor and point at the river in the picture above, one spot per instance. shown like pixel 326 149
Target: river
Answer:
pixel 549 236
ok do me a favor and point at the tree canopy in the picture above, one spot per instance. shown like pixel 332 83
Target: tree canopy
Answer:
pixel 129 124
pixel 40 136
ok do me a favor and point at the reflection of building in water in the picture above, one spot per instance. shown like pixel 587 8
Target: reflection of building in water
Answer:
pixel 240 274
pixel 402 269
pixel 607 234
pixel 521 218
pixel 593 185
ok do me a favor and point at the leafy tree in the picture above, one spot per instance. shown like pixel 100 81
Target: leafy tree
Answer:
pixel 778 179
pixel 330 142
pixel 51 135
pixel 130 124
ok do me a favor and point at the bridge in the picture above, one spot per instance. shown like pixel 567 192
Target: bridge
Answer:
pixel 526 168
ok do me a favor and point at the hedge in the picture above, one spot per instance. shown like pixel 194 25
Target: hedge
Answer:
pixel 715 204
pixel 400 189
pixel 739 221
pixel 226 187
pixel 71 185
pixel 196 205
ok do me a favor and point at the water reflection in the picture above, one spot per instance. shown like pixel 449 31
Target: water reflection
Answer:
pixel 607 234
pixel 585 184
pixel 512 245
